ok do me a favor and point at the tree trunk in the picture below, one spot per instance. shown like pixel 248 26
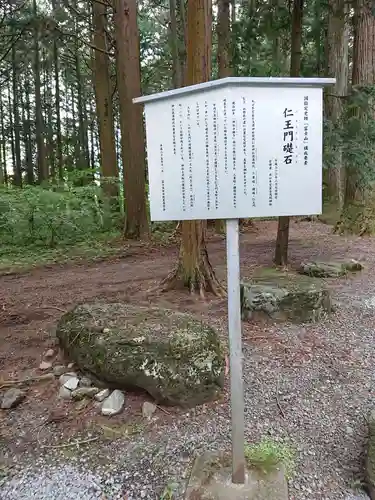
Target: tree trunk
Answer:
pixel 337 67
pixel 104 107
pixel 363 74
pixel 56 67
pixel 224 60
pixel 282 239
pixel 131 118
pixel 30 176
pixel 358 210
pixel 17 124
pixel 11 135
pixel 194 269
pixel 39 122
pixel 2 144
pixel 174 43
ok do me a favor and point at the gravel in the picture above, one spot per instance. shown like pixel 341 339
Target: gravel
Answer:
pixel 310 385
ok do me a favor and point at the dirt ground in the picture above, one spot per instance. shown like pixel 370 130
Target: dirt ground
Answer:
pixel 31 304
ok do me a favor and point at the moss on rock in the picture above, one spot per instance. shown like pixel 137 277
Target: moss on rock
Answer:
pixel 320 269
pixel 173 356
pixel 284 296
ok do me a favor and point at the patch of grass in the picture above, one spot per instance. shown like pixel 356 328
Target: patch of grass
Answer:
pixel 19 259
pixel 122 430
pixel 169 492
pixel 268 454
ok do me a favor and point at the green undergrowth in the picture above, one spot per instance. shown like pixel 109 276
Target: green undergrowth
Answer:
pixel 19 259
pixel 268 454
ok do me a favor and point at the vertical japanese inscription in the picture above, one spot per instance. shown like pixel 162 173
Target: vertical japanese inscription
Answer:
pixel 174 129
pixel 207 155
pixel 306 130
pixel 244 144
pixel 276 176
pixel 225 112
pixel 162 177
pixel 270 193
pixel 288 134
pixel 182 158
pixel 190 156
pixel 253 156
pixel 234 154
pixel 216 178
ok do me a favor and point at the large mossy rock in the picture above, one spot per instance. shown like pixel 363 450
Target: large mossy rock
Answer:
pixel 284 296
pixel 175 357
pixel 321 269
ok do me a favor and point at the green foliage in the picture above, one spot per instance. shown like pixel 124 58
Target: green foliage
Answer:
pixel 268 454
pixel 354 136
pixel 61 215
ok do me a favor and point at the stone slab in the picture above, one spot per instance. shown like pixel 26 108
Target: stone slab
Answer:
pixel 211 479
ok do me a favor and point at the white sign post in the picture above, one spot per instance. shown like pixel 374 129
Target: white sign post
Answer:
pixel 229 149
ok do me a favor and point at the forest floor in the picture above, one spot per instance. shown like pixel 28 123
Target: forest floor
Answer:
pixel 312 384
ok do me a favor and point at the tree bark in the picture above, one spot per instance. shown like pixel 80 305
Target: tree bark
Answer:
pixel 56 66
pixel 30 176
pixel 194 269
pixel 174 43
pixel 131 118
pixel 2 143
pixel 337 67
pixel 358 209
pixel 39 121
pixel 224 60
pixel 17 175
pixel 282 239
pixel 104 107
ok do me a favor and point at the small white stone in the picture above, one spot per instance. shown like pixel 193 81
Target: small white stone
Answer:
pixel 70 366
pixel 105 330
pixel 148 409
pixel 64 393
pixel 66 376
pixel 49 353
pixel 113 404
pixel 45 365
pixel 100 396
pixel 71 383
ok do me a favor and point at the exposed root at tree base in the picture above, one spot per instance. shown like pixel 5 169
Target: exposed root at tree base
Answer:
pixel 203 280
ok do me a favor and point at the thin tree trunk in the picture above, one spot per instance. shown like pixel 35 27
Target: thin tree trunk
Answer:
pixel 30 177
pixel 223 60
pixel 174 43
pixel 194 269
pixel 39 122
pixel 17 124
pixel 104 107
pixel 11 133
pixel 131 118
pixel 2 143
pixel 56 68
pixel 282 239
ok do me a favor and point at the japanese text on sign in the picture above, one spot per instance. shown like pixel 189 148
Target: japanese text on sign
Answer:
pixel 288 146
pixel 306 130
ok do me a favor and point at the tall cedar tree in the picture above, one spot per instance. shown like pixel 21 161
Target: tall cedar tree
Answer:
pixel 103 97
pixel 131 118
pixel 282 239
pixel 193 269
pixel 223 57
pixel 363 75
pixel 337 67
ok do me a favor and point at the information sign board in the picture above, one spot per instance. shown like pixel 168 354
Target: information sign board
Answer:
pixel 244 149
